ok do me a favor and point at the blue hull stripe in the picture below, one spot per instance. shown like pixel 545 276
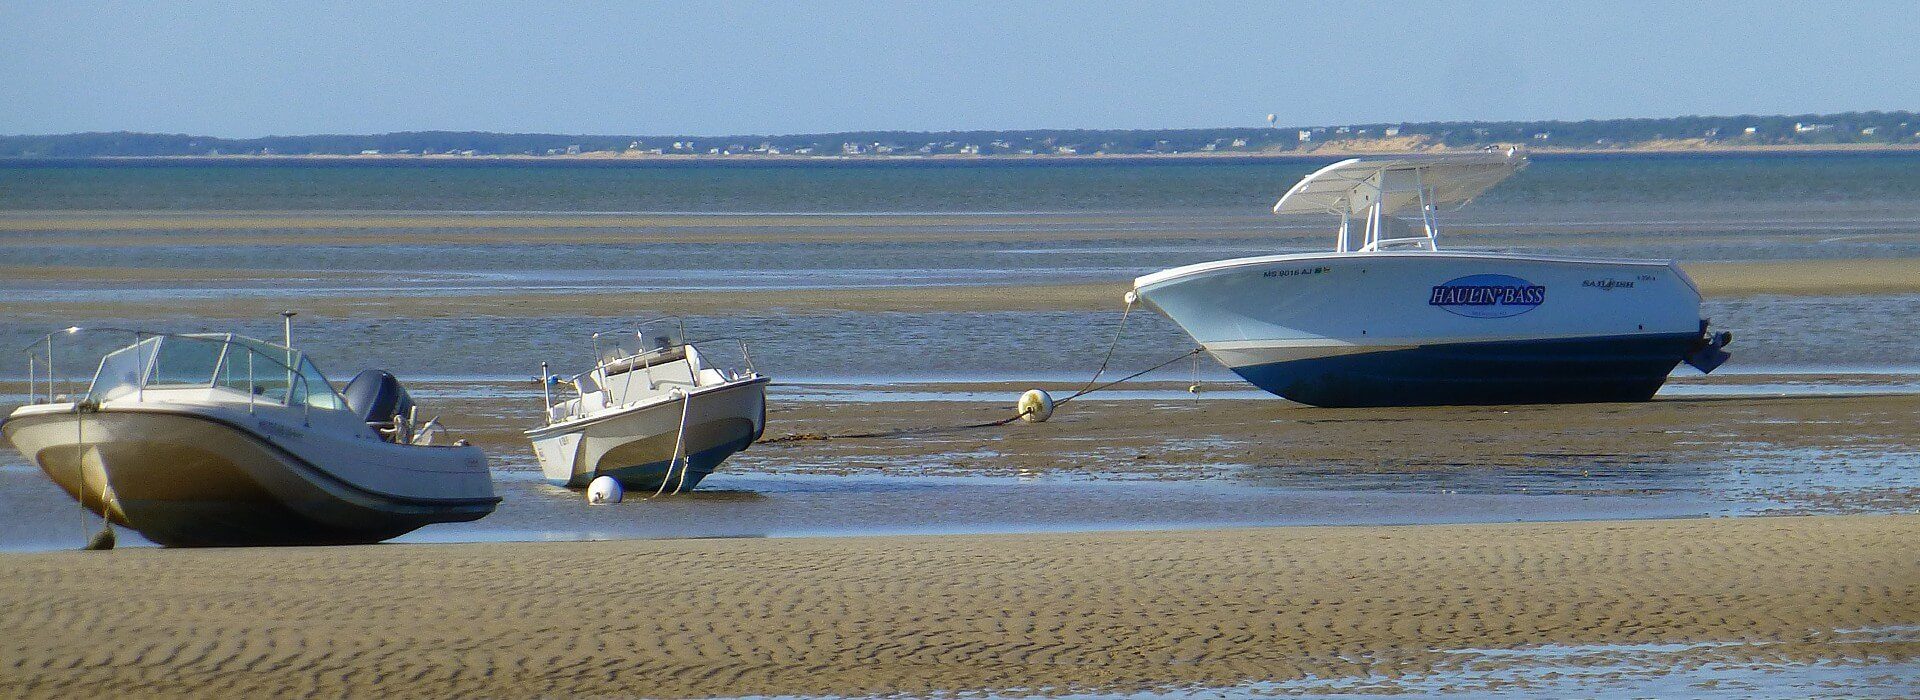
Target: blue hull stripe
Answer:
pixel 1576 370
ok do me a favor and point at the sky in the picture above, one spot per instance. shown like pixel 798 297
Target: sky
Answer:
pixel 266 68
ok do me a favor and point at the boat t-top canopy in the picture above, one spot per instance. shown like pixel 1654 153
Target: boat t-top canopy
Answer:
pixel 1377 188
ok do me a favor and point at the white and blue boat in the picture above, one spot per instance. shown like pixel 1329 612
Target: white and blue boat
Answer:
pixel 1388 319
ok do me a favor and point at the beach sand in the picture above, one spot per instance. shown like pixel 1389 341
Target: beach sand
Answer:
pixel 1034 613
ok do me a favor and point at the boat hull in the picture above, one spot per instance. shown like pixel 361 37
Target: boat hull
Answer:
pixel 187 479
pixel 636 445
pixel 1425 328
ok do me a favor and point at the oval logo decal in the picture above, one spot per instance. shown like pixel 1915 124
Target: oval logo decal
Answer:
pixel 1488 296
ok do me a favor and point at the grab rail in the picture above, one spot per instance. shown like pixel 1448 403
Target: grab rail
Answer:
pixel 641 362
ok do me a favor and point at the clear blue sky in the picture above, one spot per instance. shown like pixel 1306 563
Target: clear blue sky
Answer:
pixel 251 69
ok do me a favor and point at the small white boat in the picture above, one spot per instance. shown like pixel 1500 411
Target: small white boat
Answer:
pixel 221 439
pixel 1388 319
pixel 658 419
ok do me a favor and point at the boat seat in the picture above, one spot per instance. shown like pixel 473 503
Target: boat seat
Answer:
pixel 377 397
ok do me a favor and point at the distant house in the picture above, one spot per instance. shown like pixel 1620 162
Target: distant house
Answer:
pixel 1869 131
pixel 1066 150
pixel 1800 128
pixel 1751 130
pixel 1239 143
pixel 370 152
pixel 1393 131
pixel 573 150
pixel 1542 136
pixel 970 149
pixel 1306 135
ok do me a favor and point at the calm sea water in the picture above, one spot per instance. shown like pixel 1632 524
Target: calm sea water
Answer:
pixel 1095 222
pixel 1710 183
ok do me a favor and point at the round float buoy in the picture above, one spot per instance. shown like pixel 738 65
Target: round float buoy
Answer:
pixel 603 490
pixel 1035 406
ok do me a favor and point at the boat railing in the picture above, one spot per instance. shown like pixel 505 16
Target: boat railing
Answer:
pixel 174 361
pixel 643 365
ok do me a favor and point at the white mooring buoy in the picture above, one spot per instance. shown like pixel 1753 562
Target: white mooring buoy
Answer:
pixel 1035 406
pixel 603 490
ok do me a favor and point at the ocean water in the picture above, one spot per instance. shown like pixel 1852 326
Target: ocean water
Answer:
pixel 1720 184
pixel 1076 222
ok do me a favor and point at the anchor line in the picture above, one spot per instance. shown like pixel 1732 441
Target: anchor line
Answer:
pixel 1087 389
pixel 1135 375
pixel 679 441
pixel 1118 333
pixel 104 538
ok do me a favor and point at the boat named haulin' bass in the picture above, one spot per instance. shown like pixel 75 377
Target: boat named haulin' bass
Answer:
pixel 1388 319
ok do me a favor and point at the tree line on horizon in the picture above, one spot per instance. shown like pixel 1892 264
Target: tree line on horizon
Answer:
pixel 1897 127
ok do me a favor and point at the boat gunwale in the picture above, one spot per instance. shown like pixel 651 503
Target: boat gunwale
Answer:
pixel 1142 282
pixel 289 455
pixel 569 425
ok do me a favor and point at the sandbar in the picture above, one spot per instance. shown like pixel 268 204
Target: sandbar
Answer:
pixel 1715 279
pixel 1037 613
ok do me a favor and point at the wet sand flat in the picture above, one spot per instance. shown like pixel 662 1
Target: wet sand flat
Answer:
pixel 1033 613
pixel 1727 279
pixel 1185 438
pixel 331 228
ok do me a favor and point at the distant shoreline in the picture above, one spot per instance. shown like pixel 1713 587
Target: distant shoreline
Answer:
pixel 1324 153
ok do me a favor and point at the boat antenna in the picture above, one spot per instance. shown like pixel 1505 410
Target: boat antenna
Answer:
pixel 287 317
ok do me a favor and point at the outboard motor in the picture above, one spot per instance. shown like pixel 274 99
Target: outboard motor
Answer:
pixel 380 400
pixel 1709 352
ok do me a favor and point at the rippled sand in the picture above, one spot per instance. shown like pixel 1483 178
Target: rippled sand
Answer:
pixel 1110 611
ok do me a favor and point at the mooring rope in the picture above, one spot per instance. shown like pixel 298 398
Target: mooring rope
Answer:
pixel 679 441
pixel 103 539
pixel 1084 390
pixel 1117 333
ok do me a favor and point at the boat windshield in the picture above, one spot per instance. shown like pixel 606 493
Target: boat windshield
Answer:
pixel 655 337
pixel 270 372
